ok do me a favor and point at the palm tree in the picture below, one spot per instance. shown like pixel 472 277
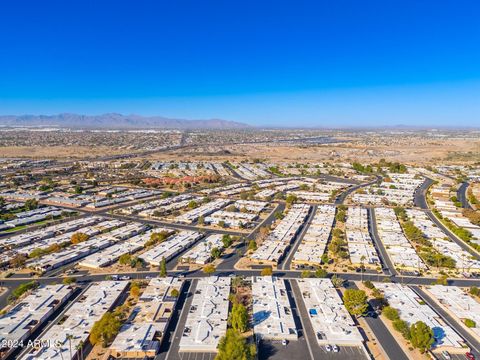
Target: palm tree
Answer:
pixel 57 346
pixel 79 347
pixel 362 259
pixel 69 338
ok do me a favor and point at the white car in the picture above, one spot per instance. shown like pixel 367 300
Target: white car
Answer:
pixel 284 342
pixel 125 277
pixel 335 348
pixel 446 355
pixel 328 348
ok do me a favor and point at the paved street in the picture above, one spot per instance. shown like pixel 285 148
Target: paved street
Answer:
pixel 387 264
pixel 383 337
pixel 471 341
pixel 287 259
pixel 462 195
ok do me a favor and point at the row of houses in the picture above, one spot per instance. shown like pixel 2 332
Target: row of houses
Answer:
pixel 399 189
pixel 111 254
pixel 399 249
pixel 315 239
pixel 442 243
pixel 147 208
pixel 83 249
pixel 171 247
pixel 144 331
pixel 360 243
pixel 272 250
pixel 201 211
pixel 73 331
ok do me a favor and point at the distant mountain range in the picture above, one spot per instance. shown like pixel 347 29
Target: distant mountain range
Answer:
pixel 115 121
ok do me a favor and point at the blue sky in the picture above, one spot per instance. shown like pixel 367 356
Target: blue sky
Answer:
pixel 285 63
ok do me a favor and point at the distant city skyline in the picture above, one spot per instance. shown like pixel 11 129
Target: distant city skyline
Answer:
pixel 302 64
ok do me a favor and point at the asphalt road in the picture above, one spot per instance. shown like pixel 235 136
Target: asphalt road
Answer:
pixel 174 342
pixel 387 264
pixel 472 342
pixel 384 337
pixel 315 351
pixel 452 236
pixel 341 198
pixel 462 195
pixel 186 294
pixel 287 260
pixel 419 199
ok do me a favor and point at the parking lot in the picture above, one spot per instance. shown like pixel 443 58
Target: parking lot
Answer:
pixel 194 356
pixel 274 350
pixel 345 352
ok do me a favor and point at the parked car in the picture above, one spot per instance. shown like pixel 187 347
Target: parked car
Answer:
pixel 124 277
pixel 470 356
pixel 446 355
pixel 328 348
pixel 284 342
pixel 335 348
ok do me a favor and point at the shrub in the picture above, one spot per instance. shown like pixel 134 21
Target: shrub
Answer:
pixel 470 323
pixel 391 313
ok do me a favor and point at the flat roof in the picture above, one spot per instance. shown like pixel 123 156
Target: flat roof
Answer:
pixel 329 318
pixel 272 312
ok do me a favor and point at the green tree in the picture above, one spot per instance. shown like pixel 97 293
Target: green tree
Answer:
pixel 227 240
pixel 421 336
pixel 341 216
pixel 325 259
pixel 337 281
pixel 238 319
pixel 31 204
pixel 209 269
pixel 475 291
pixel 291 199
pixel 163 268
pixel 18 261
pixel 402 327
pixel 69 280
pixel 78 237
pixel 234 347
pixel 125 259
pixel 391 313
pixel 442 280
pixel 175 293
pixel 368 284
pixel 266 271
pixel 470 323
pixel 306 274
pixel 105 329
pixel 215 253
pixel 157 238
pixel 355 301
pixel 252 245
pixel 135 290
pixel 321 273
